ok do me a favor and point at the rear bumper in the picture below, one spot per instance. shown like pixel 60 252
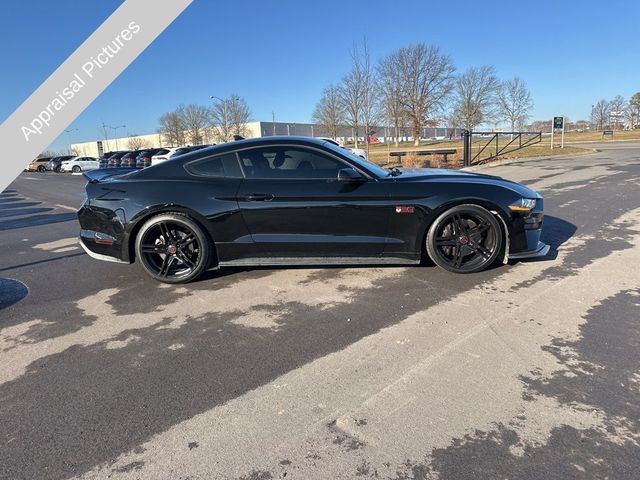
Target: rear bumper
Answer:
pixel 541 250
pixel 102 246
pixel 99 256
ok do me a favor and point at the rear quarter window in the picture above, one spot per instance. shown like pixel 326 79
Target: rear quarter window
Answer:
pixel 218 166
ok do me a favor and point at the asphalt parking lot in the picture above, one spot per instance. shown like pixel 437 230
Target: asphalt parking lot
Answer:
pixel 529 370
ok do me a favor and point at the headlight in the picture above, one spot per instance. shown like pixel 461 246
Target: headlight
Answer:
pixel 523 205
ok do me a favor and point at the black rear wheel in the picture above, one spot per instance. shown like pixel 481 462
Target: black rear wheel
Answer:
pixel 172 248
pixel 41 168
pixel 465 239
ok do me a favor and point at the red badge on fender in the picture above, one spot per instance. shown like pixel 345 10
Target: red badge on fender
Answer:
pixel 404 209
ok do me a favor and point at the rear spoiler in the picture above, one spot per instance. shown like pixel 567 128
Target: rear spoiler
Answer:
pixel 96 176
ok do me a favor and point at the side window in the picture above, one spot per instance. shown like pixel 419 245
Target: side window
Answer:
pixel 219 166
pixel 289 162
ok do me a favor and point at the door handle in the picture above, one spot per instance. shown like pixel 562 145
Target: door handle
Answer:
pixel 259 197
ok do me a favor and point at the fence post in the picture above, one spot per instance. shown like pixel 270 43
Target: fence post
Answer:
pixel 466 138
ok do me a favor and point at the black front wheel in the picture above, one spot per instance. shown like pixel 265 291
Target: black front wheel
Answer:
pixel 172 248
pixel 76 169
pixel 465 239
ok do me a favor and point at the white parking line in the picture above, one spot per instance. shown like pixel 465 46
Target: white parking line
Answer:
pixel 66 207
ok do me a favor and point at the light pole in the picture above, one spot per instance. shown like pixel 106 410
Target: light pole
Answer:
pixel 69 136
pixel 115 132
pixel 224 116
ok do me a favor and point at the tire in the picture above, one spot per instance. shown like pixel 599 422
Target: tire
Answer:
pixel 465 239
pixel 57 169
pixel 181 259
pixel 41 168
pixel 76 169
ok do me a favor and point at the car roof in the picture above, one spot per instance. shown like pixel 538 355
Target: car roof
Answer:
pixel 263 141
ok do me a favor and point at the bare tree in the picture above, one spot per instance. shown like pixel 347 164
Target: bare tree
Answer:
pixel 370 105
pixel 633 110
pixel 390 88
pixel 352 98
pixel 475 95
pixel 48 154
pixel 195 119
pixel 600 114
pixel 172 129
pixel 220 120
pixel 618 104
pixel 239 115
pixel 136 143
pixel 514 102
pixel 329 111
pixel 229 117
pixel 427 81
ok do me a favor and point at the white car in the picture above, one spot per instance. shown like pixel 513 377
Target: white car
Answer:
pixel 166 153
pixel 356 151
pixel 79 164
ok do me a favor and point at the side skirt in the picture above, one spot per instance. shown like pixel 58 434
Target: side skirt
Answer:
pixel 303 261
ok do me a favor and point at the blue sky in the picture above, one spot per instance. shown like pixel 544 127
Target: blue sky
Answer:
pixel 280 54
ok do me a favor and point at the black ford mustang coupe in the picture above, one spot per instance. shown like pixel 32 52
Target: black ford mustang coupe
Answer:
pixel 296 200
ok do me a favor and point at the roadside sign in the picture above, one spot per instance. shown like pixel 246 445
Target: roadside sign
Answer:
pixel 100 149
pixel 558 122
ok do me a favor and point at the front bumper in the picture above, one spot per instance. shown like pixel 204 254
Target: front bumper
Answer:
pixel 541 250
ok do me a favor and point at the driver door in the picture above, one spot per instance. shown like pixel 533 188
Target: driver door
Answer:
pixel 294 205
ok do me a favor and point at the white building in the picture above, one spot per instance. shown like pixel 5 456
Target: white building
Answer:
pixel 95 148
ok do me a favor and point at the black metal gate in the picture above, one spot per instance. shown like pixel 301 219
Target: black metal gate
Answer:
pixel 481 147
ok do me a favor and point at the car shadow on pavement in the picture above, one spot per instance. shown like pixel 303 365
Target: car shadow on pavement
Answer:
pixel 555 232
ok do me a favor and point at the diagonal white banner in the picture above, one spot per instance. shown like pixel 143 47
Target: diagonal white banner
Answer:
pixel 80 79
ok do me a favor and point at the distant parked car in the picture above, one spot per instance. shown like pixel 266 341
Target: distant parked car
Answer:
pixel 144 159
pixel 356 151
pixel 167 153
pixel 56 162
pixel 128 160
pixel 104 158
pixel 114 160
pixel 80 164
pixel 38 164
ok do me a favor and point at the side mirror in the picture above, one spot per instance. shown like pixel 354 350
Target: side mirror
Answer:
pixel 350 175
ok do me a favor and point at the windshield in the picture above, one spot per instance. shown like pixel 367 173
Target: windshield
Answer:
pixel 374 168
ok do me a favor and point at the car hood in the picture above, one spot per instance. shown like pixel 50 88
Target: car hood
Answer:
pixel 461 176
